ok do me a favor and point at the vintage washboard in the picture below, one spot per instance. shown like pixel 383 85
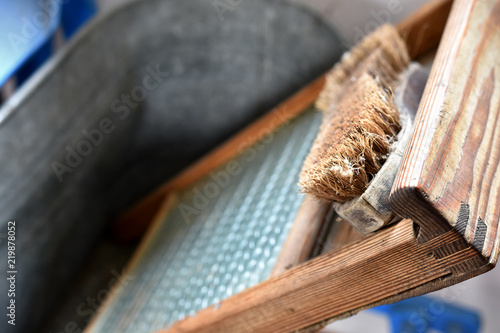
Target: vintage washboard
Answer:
pixel 211 270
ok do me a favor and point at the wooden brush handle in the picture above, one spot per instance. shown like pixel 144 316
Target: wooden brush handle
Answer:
pixel 449 177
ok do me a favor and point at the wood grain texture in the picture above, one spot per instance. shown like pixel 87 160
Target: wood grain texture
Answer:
pixel 450 174
pixel 337 283
pixel 439 247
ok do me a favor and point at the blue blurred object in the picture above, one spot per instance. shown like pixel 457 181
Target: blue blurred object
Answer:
pixel 420 314
pixel 27 29
pixel 75 13
pixel 34 61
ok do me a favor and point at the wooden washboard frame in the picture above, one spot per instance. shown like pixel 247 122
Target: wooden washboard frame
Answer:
pixel 448 235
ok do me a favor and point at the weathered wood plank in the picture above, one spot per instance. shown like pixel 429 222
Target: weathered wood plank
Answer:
pixel 451 166
pixel 333 284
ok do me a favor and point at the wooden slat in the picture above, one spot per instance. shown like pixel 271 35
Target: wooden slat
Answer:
pixel 303 236
pixel 450 171
pixel 378 267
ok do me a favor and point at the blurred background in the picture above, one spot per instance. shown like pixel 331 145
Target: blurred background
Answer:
pixel 352 20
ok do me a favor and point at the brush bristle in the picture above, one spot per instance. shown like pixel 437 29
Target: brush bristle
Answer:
pixel 361 119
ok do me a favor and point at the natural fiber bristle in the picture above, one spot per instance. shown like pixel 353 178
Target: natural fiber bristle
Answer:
pixel 361 119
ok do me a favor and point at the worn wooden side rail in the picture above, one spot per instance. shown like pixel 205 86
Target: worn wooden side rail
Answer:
pixel 450 176
pixel 382 268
